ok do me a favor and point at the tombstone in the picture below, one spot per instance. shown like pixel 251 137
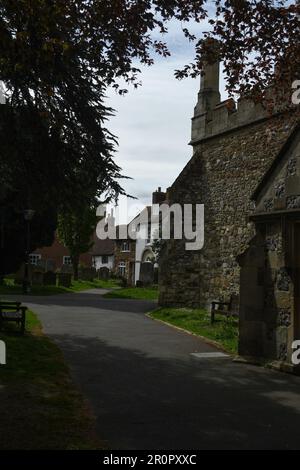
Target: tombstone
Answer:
pixel 37 278
pixel 50 265
pixel 41 265
pixel 19 275
pixel 103 273
pixel 49 278
pixel 87 274
pixel 147 273
pixel 64 279
pixel 67 268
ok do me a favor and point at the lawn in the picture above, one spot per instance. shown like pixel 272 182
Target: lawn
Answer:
pixel 10 288
pixel 134 293
pixel 40 407
pixel 223 331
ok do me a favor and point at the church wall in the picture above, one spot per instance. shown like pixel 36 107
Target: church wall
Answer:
pixel 222 175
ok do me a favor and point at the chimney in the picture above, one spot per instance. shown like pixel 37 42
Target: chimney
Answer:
pixel 209 94
pixel 158 197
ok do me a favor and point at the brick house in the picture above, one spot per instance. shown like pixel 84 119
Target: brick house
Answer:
pixel 56 256
pixel 124 258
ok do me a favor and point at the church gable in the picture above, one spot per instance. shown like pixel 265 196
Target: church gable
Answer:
pixel 279 189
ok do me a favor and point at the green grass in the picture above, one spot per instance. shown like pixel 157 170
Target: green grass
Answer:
pixel 10 288
pixel 223 331
pixel 40 408
pixel 133 293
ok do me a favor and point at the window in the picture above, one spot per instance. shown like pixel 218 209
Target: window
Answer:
pixel 125 246
pixel 122 268
pixel 67 260
pixel 104 259
pixel 34 258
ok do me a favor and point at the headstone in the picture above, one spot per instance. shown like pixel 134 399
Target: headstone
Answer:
pixel 64 279
pixel 147 273
pixel 19 276
pixel 49 278
pixel 50 265
pixel 37 278
pixel 67 268
pixel 103 273
pixel 87 274
pixel 41 265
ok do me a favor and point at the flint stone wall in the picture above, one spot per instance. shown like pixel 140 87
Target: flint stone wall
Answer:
pixel 222 174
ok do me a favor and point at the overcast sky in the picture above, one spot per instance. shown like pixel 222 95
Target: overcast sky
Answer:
pixel 153 123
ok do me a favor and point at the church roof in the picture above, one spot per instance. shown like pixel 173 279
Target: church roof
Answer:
pixel 281 154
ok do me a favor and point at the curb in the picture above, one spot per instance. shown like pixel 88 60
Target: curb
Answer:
pixel 211 342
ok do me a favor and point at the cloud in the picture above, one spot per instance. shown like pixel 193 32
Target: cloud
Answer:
pixel 153 123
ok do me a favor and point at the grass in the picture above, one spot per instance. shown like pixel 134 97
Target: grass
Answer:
pixel 134 293
pixel 40 408
pixel 223 331
pixel 10 288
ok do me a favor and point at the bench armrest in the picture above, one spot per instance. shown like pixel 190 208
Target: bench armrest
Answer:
pixel 221 304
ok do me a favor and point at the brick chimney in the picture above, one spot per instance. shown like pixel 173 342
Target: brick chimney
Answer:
pixel 158 197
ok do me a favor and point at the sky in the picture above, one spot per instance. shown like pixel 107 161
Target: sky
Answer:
pixel 153 123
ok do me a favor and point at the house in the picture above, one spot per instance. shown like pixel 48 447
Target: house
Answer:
pixel 134 258
pixel 124 255
pixel 103 253
pixel 245 170
pixel 146 234
pixel 56 256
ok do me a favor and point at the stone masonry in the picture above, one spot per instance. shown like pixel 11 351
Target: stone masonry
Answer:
pixel 233 147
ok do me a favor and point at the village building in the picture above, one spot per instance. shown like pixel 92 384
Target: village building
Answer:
pixel 57 256
pixel 124 255
pixel 103 253
pixel 245 170
pixel 134 256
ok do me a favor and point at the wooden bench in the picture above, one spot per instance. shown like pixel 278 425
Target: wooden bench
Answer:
pixel 228 309
pixel 13 311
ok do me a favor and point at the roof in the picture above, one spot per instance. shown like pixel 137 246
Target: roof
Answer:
pixel 275 162
pixel 103 247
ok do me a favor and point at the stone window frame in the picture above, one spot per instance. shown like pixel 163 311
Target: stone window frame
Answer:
pixel 104 259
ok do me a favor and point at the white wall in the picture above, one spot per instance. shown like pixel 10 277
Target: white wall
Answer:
pixel 97 260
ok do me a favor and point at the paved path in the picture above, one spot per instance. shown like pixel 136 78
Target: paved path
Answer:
pixel 149 392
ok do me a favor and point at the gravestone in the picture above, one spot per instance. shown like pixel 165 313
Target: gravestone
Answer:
pixel 49 278
pixel 103 273
pixel 50 265
pixel 147 273
pixel 67 268
pixel 19 276
pixel 41 265
pixel 37 278
pixel 64 279
pixel 87 274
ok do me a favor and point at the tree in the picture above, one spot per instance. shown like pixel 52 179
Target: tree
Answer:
pixel 75 230
pixel 61 55
pixel 58 57
pixel 29 169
